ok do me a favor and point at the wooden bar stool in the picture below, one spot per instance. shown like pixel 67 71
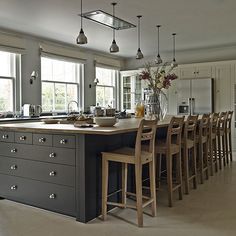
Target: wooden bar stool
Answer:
pixel 138 158
pixel 189 152
pixel 202 141
pixel 213 142
pixel 228 137
pixel 171 147
pixel 221 146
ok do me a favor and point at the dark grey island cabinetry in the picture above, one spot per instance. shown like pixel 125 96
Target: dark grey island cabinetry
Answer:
pixel 38 169
pixel 58 166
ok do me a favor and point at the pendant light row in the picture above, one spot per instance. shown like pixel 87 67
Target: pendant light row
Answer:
pixel 82 39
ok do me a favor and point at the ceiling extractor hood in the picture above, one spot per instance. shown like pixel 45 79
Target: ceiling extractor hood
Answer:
pixel 107 19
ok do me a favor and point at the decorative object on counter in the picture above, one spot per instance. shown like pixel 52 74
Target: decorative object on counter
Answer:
pixel 105 121
pixel 109 111
pixel 34 76
pixel 81 39
pixel 139 110
pixel 114 47
pixel 139 54
pixel 50 121
pixel 158 59
pixel 156 79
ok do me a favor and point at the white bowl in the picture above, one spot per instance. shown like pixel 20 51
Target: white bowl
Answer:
pixel 105 121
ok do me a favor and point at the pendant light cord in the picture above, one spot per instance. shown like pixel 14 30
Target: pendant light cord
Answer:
pixel 158 38
pixel 114 31
pixel 139 33
pixel 174 45
pixel 81 18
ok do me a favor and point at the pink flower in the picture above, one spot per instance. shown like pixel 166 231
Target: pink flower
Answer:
pixel 144 75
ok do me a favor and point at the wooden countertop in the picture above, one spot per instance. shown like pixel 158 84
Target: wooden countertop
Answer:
pixel 123 126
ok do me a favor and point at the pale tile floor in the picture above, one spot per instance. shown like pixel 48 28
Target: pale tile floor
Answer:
pixel 210 210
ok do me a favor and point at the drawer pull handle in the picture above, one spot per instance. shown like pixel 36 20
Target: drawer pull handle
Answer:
pixel 52 196
pixel 5 136
pixel 42 140
pixel 14 187
pixel 53 154
pixel 13 150
pixel 22 138
pixel 52 173
pixel 63 141
pixel 13 167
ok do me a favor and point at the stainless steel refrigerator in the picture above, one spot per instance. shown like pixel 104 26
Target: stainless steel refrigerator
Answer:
pixel 195 96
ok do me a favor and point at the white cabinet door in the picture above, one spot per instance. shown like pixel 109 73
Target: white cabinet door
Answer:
pixel 187 73
pixel 196 71
pixel 223 91
pixel 172 94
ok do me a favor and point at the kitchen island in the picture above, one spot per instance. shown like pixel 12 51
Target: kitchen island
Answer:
pixel 58 166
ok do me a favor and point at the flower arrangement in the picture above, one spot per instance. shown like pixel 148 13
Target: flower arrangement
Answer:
pixel 156 77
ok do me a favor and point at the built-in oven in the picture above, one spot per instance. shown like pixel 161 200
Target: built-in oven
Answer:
pixel 183 109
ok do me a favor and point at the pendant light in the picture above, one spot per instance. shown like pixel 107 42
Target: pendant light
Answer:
pixel 158 59
pixel 114 47
pixel 81 39
pixel 139 54
pixel 174 63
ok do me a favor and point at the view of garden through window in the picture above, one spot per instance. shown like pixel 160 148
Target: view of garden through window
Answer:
pixel 60 84
pixel 7 81
pixel 106 87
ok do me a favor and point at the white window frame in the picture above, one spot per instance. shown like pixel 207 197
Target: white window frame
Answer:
pixel 115 85
pixel 79 73
pixel 16 82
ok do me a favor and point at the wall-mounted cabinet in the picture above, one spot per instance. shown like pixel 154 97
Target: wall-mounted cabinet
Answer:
pixel 195 71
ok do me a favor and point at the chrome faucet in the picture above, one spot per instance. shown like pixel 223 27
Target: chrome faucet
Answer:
pixel 68 106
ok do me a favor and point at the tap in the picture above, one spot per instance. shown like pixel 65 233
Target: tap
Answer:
pixel 68 106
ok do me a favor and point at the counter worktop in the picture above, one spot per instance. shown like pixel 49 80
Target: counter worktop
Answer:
pixel 123 126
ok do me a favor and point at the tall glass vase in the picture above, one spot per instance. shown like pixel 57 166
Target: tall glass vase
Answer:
pixel 156 104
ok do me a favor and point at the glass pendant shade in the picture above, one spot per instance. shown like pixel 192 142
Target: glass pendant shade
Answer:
pixel 174 63
pixel 158 58
pixel 114 47
pixel 81 39
pixel 139 54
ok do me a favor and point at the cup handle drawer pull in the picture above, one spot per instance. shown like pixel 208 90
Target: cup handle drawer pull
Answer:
pixel 14 187
pixel 42 140
pixel 22 138
pixel 52 173
pixel 13 167
pixel 5 136
pixel 63 141
pixel 53 154
pixel 52 196
pixel 13 150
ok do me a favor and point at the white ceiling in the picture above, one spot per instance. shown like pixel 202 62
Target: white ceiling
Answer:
pixel 198 23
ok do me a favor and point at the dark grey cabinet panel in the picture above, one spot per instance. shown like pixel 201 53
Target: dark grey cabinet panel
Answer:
pixel 22 137
pixel 45 195
pixel 64 141
pixel 42 139
pixel 6 136
pixel 48 154
pixel 53 173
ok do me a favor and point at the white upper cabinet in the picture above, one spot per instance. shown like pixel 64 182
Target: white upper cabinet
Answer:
pixel 195 71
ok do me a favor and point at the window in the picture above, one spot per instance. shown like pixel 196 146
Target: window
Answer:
pixel 8 81
pixel 106 87
pixel 61 82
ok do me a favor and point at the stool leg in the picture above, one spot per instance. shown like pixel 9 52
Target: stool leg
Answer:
pixel 104 187
pixel 230 147
pixel 223 144
pixel 179 175
pixel 219 152
pixel 211 156
pixel 201 162
pixel 215 154
pixel 139 203
pixel 195 167
pixel 206 160
pixel 158 170
pixel 186 170
pixel 226 148
pixel 124 182
pixel 169 179
pixel 153 187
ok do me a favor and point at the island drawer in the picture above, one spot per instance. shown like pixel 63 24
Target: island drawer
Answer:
pixel 6 136
pixel 52 173
pixel 44 195
pixel 22 137
pixel 42 139
pixel 67 141
pixel 32 152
